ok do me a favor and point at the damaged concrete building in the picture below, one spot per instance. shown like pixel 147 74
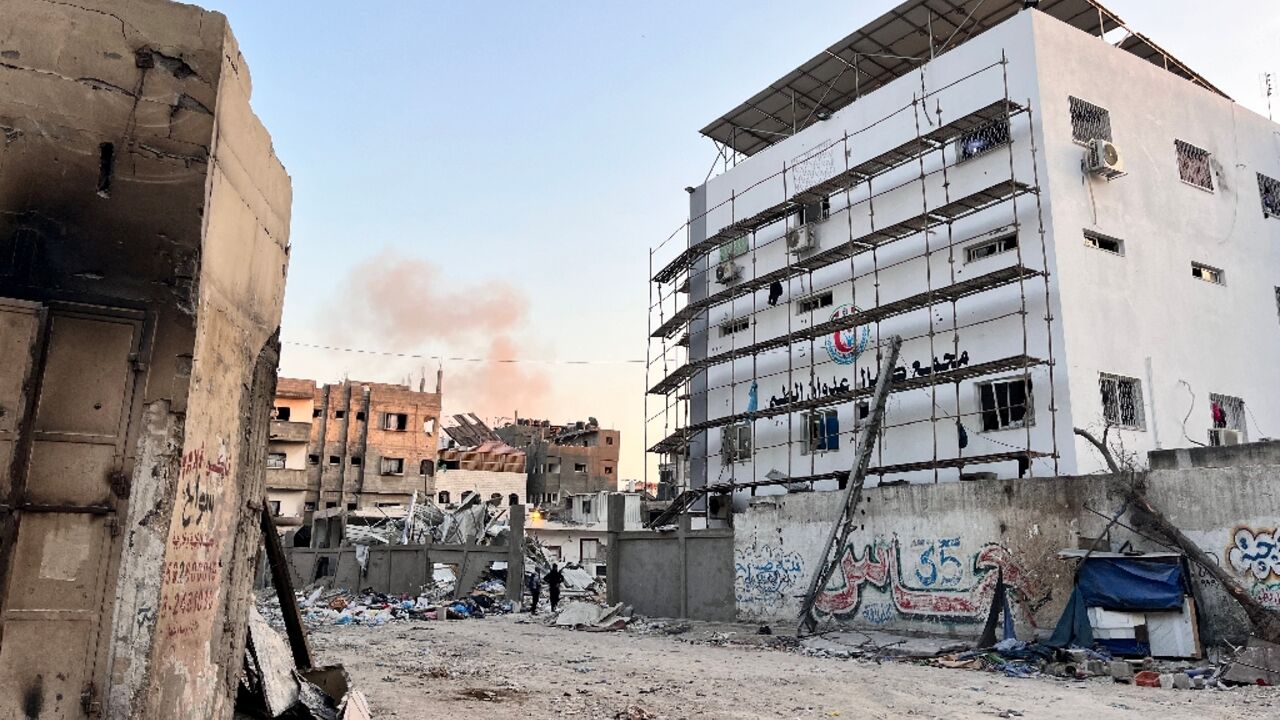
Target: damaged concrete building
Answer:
pixel 563 460
pixel 351 445
pixel 144 240
pixel 478 463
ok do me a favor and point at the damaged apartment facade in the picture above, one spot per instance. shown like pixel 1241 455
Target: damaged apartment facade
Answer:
pixel 564 460
pixel 144 240
pixel 1066 226
pixel 353 445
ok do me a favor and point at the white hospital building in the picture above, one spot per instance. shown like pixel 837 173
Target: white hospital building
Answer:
pixel 1066 225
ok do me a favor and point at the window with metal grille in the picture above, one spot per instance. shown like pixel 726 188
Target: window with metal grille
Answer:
pixel 1122 402
pixel 1005 404
pixel 733 248
pixel 982 140
pixel 1207 274
pixel 1228 414
pixel 275 461
pixel 821 431
pixel 1106 243
pixel 814 302
pixel 735 442
pixel 392 466
pixel 1089 122
pixel 734 326
pixel 991 247
pixel 1193 165
pixel 1269 189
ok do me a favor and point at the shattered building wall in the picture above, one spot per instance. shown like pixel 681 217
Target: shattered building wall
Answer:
pixel 144 222
pixel 493 470
pixel 566 460
pixel 927 557
pixel 351 444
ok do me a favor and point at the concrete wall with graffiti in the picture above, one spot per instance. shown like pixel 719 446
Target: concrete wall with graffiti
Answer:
pixel 928 557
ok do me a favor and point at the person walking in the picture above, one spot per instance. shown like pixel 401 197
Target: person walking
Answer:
pixel 533 584
pixel 554 579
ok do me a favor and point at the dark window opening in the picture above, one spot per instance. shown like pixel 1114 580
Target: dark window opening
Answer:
pixel 443 497
pixel 513 499
pixel 313 459
pixel 335 460
pixel 392 466
pixel 398 422
pixel 814 302
pixel 735 326
pixel 106 167
pixel 315 413
pixel 309 506
pixel 608 440
pixel 339 414
pixel 275 461
pixel 1103 242
pixel 351 506
pixel 427 468
pixel 1005 404
pixel 281 413
pixel 330 505
pixel 991 247
pixel 580 467
pixel 275 507
pixel 356 460
pixel 360 416
pixel 822 431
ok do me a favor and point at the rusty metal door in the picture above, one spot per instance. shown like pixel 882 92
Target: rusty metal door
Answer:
pixel 63 487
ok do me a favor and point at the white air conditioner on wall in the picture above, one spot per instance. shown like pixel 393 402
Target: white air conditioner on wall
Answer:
pixel 1219 437
pixel 1103 158
pixel 727 272
pixel 801 239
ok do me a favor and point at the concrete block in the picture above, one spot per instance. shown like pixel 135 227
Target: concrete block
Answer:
pixel 1121 671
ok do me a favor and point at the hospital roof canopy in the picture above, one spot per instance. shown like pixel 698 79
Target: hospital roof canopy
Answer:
pixel 894 45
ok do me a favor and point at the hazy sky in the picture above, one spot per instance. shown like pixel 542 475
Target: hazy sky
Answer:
pixel 484 180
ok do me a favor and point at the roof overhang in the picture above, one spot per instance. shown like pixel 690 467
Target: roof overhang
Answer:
pixel 894 45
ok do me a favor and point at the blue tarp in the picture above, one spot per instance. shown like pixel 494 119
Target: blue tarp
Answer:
pixel 1131 584
pixel 1073 627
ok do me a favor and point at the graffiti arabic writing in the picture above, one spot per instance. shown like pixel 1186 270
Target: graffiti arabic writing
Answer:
pixel 1256 555
pixel 939 594
pixel 765 576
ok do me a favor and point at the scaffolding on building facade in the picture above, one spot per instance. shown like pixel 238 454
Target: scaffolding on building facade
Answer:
pixel 931 151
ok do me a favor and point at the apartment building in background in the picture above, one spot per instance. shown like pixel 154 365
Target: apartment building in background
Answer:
pixel 562 460
pixel 1066 226
pixel 351 444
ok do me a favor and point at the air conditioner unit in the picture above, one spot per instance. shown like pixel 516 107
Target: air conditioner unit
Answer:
pixel 1223 436
pixel 1104 159
pixel 801 239
pixel 727 272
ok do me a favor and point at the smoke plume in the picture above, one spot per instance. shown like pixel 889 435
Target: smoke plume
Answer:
pixel 402 304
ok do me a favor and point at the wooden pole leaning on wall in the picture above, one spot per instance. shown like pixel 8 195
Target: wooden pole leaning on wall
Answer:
pixel 283 584
pixel 844 524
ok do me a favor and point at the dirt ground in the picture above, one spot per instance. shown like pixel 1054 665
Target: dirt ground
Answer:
pixel 508 667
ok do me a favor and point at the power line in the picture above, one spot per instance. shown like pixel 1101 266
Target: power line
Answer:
pixel 446 358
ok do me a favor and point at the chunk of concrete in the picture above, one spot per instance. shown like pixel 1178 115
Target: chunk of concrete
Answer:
pixel 1121 671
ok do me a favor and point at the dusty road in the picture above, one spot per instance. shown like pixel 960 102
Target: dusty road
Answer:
pixel 501 667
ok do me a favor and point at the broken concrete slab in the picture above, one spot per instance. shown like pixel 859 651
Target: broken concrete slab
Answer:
pixel 275 665
pixel 1258 662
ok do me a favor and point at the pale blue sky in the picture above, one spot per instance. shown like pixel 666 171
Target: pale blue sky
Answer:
pixel 540 149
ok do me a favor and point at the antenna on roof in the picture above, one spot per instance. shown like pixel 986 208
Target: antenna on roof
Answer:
pixel 1268 89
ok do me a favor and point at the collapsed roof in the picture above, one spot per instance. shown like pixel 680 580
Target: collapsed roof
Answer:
pixel 894 45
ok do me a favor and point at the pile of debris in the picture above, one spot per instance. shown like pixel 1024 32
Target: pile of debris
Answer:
pixel 592 617
pixel 340 607
pixel 271 686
